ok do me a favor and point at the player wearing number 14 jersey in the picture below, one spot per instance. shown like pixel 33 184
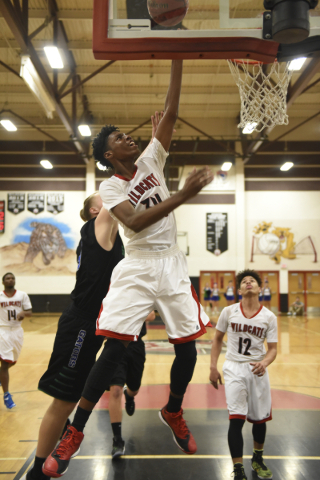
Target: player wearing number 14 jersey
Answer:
pixel 14 306
pixel 247 324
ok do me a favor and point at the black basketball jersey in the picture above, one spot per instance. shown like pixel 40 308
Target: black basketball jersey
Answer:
pixel 95 266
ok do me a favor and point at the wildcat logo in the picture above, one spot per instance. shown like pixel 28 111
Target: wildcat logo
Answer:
pixel 147 184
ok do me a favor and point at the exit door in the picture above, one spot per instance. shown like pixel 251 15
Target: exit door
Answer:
pixel 223 280
pixel 305 285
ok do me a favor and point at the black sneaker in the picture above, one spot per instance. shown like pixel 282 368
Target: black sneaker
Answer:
pixel 118 448
pixel 129 405
pixel 238 472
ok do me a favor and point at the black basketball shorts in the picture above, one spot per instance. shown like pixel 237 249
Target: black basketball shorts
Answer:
pixel 131 367
pixel 74 353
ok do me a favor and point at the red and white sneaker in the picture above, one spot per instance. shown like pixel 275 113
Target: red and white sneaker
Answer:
pixel 58 461
pixel 181 433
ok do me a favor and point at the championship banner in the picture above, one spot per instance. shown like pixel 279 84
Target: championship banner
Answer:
pixel 217 232
pixel 35 202
pixel 55 202
pixel 2 215
pixel 16 202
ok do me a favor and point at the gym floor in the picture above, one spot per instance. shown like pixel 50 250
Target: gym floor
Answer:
pixel 292 443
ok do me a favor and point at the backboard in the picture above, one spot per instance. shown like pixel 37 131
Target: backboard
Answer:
pixel 211 29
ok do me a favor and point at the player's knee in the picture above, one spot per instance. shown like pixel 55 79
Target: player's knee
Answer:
pixel 116 392
pixel 235 425
pixel 186 352
pixel 259 432
pixel 63 406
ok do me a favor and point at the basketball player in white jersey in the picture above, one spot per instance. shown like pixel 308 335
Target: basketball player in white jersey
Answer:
pixel 14 307
pixel 247 385
pixel 153 276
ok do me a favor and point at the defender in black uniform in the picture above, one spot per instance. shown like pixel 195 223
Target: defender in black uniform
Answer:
pixel 76 344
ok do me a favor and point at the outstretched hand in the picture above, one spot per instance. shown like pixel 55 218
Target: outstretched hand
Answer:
pixel 196 181
pixel 155 120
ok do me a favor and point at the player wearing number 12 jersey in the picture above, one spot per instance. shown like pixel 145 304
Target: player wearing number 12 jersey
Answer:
pixel 14 307
pixel 247 324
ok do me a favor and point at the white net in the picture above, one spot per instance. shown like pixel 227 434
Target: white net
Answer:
pixel 263 93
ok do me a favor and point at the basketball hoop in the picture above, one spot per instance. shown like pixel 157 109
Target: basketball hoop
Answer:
pixel 263 94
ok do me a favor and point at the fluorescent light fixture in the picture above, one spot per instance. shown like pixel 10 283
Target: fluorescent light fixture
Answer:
pixel 100 166
pixel 249 127
pixel 84 130
pixel 297 63
pixel 46 164
pixel 54 57
pixel 286 166
pixel 34 82
pixel 226 166
pixel 8 125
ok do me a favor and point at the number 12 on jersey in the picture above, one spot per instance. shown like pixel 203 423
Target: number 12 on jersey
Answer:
pixel 247 341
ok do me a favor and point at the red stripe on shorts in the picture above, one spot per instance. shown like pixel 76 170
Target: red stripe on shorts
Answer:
pixel 119 336
pixel 202 327
pixel 242 417
pixel 261 421
pixel 8 361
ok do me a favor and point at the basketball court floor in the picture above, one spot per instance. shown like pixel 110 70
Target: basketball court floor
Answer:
pixel 292 444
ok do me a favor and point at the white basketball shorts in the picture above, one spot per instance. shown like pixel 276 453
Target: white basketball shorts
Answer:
pixel 145 281
pixel 248 396
pixel 11 340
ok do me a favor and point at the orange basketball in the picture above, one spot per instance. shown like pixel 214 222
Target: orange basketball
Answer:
pixel 168 12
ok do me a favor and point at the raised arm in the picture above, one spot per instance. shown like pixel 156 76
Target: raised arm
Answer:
pixel 171 108
pixel 106 229
pixel 138 221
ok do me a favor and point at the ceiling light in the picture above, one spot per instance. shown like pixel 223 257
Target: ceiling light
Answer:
pixel 34 82
pixel 8 125
pixel 226 166
pixel 54 57
pixel 100 166
pixel 249 127
pixel 84 130
pixel 286 166
pixel 46 164
pixel 297 63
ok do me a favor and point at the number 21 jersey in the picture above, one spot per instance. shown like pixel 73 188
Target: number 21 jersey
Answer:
pixel 11 306
pixel 246 336
pixel 145 189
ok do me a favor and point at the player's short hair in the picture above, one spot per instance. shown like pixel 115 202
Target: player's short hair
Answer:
pixel 248 273
pixel 100 144
pixel 8 273
pixel 87 204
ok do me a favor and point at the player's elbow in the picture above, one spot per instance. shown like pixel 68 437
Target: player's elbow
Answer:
pixel 135 224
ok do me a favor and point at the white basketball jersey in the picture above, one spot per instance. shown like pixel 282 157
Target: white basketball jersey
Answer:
pixel 11 306
pixel 246 335
pixel 146 188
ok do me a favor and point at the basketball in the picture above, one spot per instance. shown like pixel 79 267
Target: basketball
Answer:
pixel 269 243
pixel 168 13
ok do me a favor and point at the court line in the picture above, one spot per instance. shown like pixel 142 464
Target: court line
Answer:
pixel 26 465
pixel 203 457
pixel 13 458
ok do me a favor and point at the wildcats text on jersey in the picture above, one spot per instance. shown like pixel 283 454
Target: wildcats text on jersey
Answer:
pixel 147 184
pixel 239 327
pixel 10 304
